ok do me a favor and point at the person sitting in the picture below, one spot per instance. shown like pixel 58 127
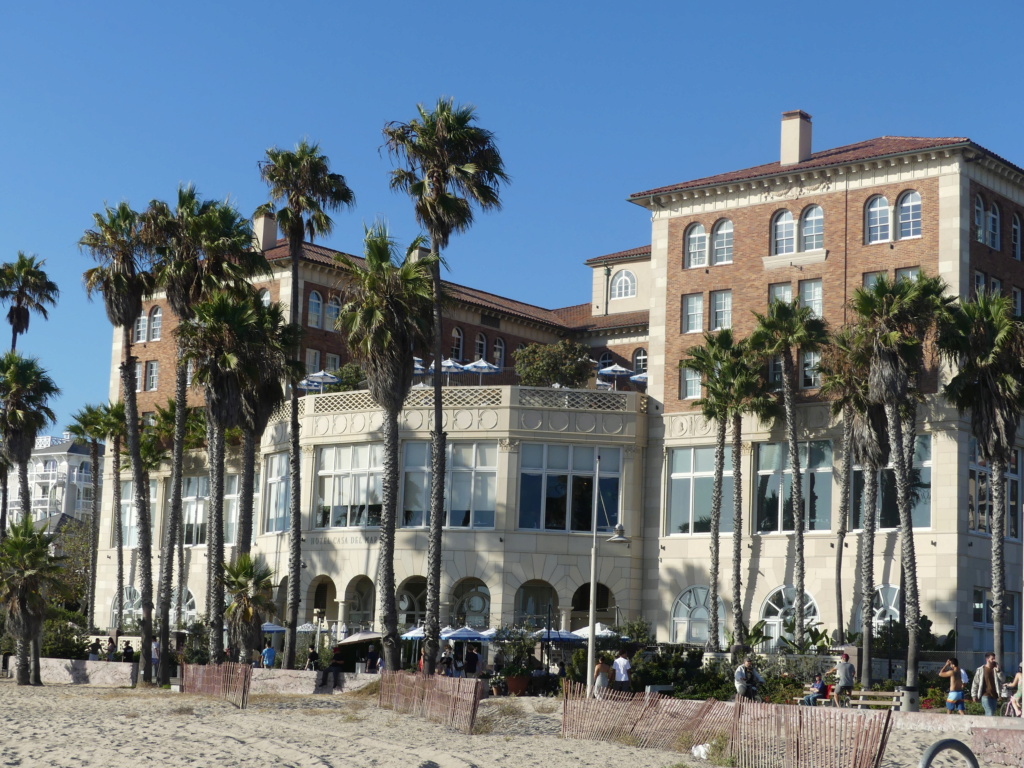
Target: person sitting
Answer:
pixel 312 659
pixel 817 692
pixel 747 679
pixel 334 668
pixel 129 653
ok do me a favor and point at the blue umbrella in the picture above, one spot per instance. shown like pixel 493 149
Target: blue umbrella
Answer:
pixel 414 634
pixel 556 636
pixel 615 371
pixel 270 628
pixel 463 633
pixel 640 378
pixel 481 367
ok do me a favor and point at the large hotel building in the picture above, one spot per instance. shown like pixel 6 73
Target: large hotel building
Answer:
pixel 522 465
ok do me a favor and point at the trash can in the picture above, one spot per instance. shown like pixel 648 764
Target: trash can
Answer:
pixel 910 701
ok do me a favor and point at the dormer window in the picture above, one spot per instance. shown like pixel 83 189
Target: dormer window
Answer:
pixel 623 285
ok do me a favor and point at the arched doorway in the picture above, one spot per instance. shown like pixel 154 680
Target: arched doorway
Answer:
pixel 360 600
pixel 411 599
pixel 471 604
pixel 604 607
pixel 323 595
pixel 536 605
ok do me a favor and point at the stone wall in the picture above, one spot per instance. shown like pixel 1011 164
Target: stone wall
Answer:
pixel 113 674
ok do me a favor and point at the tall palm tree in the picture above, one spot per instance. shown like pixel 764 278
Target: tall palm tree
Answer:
pixel 985 345
pixel 27 288
pixel 29 579
pixel 449 165
pixel 386 315
pixel 122 277
pixel 248 583
pixel 201 245
pixel 114 431
pixel 303 191
pixel 783 330
pixel 5 475
pixel 896 318
pixel 89 427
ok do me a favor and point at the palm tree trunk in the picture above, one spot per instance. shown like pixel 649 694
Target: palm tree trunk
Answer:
pixel 438 442
pixel 26 501
pixel 998 558
pixel 141 488
pixel 868 507
pixel 739 627
pixel 34 649
pixel 388 523
pixel 94 460
pixel 4 479
pixel 14 340
pixel 716 524
pixel 796 498
pixel 844 516
pixel 215 541
pixel 245 493
pixel 294 475
pixel 115 461
pixel 21 648
pixel 182 590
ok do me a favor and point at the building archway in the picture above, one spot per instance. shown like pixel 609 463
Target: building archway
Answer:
pixel 322 594
pixel 360 599
pixel 471 604
pixel 605 609
pixel 536 604
pixel 411 600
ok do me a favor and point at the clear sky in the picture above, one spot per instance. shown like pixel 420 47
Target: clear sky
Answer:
pixel 589 101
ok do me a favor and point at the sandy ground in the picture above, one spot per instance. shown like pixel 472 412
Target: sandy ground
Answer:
pixel 77 726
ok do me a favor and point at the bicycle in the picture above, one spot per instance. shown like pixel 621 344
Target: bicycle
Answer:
pixel 1009 711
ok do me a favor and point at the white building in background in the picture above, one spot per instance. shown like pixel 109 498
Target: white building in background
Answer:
pixel 60 480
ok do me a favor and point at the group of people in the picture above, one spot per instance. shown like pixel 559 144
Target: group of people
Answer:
pixel 615 675
pixel 127 655
pixel 987 685
pixel 846 675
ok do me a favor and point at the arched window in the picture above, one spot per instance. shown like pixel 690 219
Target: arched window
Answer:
pixel 155 317
pixel 534 602
pixel 50 465
pixel 691 616
pixel 885 606
pixel 456 343
pixel 411 600
pixel 721 243
pixel 499 352
pixel 472 604
pixel 314 317
pixel 623 285
pixel 481 346
pixel 696 247
pixel 605 360
pixel 979 218
pixel 783 235
pixel 812 228
pixel 993 236
pixel 361 602
pixel 640 361
pixel 333 311
pixel 777 612
pixel 909 215
pixel 265 297
pixel 132 607
pixel 1015 236
pixel 184 610
pixel 139 335
pixel 877 224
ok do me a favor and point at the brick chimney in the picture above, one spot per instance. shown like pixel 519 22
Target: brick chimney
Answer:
pixel 796 137
pixel 264 230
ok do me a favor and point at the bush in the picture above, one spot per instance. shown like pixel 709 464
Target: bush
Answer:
pixel 64 635
pixel 566 363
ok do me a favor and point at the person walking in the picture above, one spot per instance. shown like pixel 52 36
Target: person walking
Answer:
pixel 268 655
pixel 602 674
pixel 845 673
pixel 955 699
pixel 988 682
pixel 622 671
pixel 472 662
pixel 154 654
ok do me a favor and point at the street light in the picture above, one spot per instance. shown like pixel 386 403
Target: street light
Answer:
pixel 318 617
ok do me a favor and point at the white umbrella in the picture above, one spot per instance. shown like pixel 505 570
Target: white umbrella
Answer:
pixel 481 367
pixel 489 633
pixel 321 378
pixel 556 636
pixel 417 366
pixel 415 634
pixel 600 630
pixel 615 371
pixel 448 367
pixel 307 627
pixel 640 378
pixel 463 633
pixel 361 637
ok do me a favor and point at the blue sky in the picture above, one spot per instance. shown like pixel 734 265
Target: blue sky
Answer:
pixel 590 102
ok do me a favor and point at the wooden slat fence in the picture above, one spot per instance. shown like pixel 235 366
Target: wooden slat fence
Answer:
pixel 751 735
pixel 450 701
pixel 228 681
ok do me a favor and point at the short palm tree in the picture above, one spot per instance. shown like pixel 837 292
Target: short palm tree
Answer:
pixel 123 278
pixel 89 427
pixel 303 192
pixel 985 345
pixel 248 583
pixel 114 432
pixel 386 315
pixel 781 332
pixel 448 166
pixel 29 579
pixel 27 289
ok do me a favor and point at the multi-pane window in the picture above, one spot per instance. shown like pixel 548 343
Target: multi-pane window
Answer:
pixel 810 296
pixel 979 218
pixel 1015 236
pixel 130 514
pixel 623 285
pixel 995 286
pixel 979 283
pixel 878 220
pixel 195 494
pixel 1018 304
pixel 775 478
pixel 499 353
pixel 696 247
pixel 887 514
pixel 605 360
pixel 456 351
pixel 264 297
pixel 139 332
pixel 909 215
pixel 276 517
pixel 312 360
pixel 721 310
pixel 232 488
pixel 470 487
pixel 982 619
pixel 348 490
pixel 870 278
pixel 783 234
pixel 908 273
pixel 333 362
pixel 333 312
pixel 689 384
pixel 775 372
pixel 316 310
pixel 721 246
pixel 979 493
pixel 693 313
pixel 152 374
pixel 155 322
pixel 780 292
pixel 640 361
pixel 691 481
pixel 810 377
pixel 556 487
pixel 812 229
pixel 138 377
pixel 481 347
pixel 992 236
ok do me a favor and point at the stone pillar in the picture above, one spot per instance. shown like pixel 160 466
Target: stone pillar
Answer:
pixel 566 618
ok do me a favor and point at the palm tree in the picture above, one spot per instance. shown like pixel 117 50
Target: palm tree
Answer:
pixel 985 345
pixel 27 288
pixel 785 328
pixel 895 319
pixel 122 277
pixel 302 193
pixel 201 245
pixel 449 164
pixel 90 427
pixel 5 472
pixel 29 578
pixel 249 585
pixel 385 316
pixel 113 426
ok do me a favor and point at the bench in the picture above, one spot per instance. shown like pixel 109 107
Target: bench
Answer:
pixel 862 699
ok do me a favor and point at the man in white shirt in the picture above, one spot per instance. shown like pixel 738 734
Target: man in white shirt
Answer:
pixel 622 671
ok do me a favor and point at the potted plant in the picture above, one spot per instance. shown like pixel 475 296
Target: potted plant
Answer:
pixel 517 678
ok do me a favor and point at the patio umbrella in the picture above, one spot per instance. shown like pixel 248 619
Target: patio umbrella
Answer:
pixel 463 633
pixel 361 637
pixel 481 367
pixel 448 367
pixel 415 634
pixel 322 377
pixel 600 630
pixel 640 378
pixel 307 627
pixel 417 366
pixel 269 628
pixel 556 636
pixel 615 371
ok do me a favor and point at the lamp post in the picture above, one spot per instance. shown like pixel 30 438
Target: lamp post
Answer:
pixel 318 617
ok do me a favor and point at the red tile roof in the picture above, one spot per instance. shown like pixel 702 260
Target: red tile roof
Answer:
pixel 871 149
pixel 642 251
pixel 579 318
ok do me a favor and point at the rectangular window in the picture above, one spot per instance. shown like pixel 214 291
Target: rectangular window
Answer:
pixel 689 384
pixel 470 487
pixel 774 481
pixel 231 490
pixel 138 377
pixel 810 296
pixel 979 282
pixel 130 514
pixel 333 362
pixel 556 487
pixel 693 313
pixel 691 483
pixel 312 360
pixel 152 374
pixel 908 273
pixel 982 619
pixel 870 278
pixel 810 377
pixel 995 286
pixel 887 514
pixel 195 493
pixel 780 292
pixel 721 310
pixel 349 491
pixel 775 371
pixel 979 493
pixel 1018 306
pixel 277 495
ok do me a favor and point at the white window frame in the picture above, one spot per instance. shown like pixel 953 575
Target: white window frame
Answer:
pixel 1018 301
pixel 721 310
pixel 480 472
pixel 908 273
pixel 130 515
pixel 611 471
pixel 333 362
pixel 777 610
pixel 277 496
pixel 780 292
pixel 689 384
pixel 139 332
pixel 993 229
pixel 264 297
pixel 481 346
pixel 811 296
pixel 909 215
pixel 155 323
pixel 333 312
pixel 995 286
pixel 349 487
pixel 1015 237
pixel 315 310
pixel 640 360
pixel 499 352
pixel 312 360
pixel 721 242
pixel 979 282
pixel 982 624
pixel 810 377
pixel 457 340
pixel 979 493
pixel 783 234
pixel 195 496
pixel 922 463
pixel 693 313
pixel 812 228
pixel 139 380
pixel 691 617
pixel 783 476
pixel 688 466
pixel 979 219
pixel 696 243
pixel 152 375
pixel 623 285
pixel 877 221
